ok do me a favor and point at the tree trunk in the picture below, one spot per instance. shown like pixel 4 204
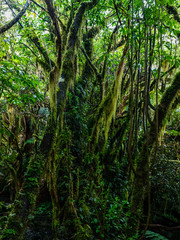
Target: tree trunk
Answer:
pixel 26 199
pixel 142 161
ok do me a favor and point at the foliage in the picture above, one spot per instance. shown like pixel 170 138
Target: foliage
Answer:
pixel 154 236
pixel 89 126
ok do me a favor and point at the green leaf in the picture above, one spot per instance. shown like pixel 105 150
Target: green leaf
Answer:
pixel 154 236
pixel 30 141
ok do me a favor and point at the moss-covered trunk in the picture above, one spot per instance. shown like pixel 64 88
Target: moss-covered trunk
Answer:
pixel 142 161
pixel 26 199
pixel 65 78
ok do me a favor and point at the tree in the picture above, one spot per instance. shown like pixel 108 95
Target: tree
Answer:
pixel 107 77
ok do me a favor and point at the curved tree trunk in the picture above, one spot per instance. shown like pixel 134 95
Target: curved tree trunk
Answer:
pixel 142 161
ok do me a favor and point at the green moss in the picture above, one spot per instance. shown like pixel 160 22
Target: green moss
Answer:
pixel 53 79
pixel 168 99
pixel 142 161
pixel 107 109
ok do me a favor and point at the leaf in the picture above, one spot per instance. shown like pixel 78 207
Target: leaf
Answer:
pixel 30 141
pixel 154 236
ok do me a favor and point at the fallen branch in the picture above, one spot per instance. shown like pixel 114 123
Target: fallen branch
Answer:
pixel 162 227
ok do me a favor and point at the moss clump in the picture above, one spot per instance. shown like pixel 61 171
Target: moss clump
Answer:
pixel 107 109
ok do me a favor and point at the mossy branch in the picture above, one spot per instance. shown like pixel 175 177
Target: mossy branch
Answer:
pixel 15 19
pixel 76 23
pixel 90 62
pixel 54 18
pixel 107 108
pixel 167 100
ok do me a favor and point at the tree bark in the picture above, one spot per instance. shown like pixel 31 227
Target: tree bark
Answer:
pixel 142 161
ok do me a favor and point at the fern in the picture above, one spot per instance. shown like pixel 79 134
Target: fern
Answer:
pixel 154 236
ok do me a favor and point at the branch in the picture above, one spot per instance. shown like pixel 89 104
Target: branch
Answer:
pixel 163 109
pixel 117 13
pixel 16 19
pixel 39 5
pixel 44 65
pixel 76 24
pixel 162 227
pixel 13 4
pixel 29 49
pixel 119 44
pixel 108 50
pixel 168 99
pixel 151 106
pixel 54 18
pixel 62 25
pixel 33 37
pixel 14 137
pixel 89 61
pixel 168 71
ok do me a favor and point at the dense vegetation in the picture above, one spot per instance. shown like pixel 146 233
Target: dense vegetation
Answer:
pixel 89 120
